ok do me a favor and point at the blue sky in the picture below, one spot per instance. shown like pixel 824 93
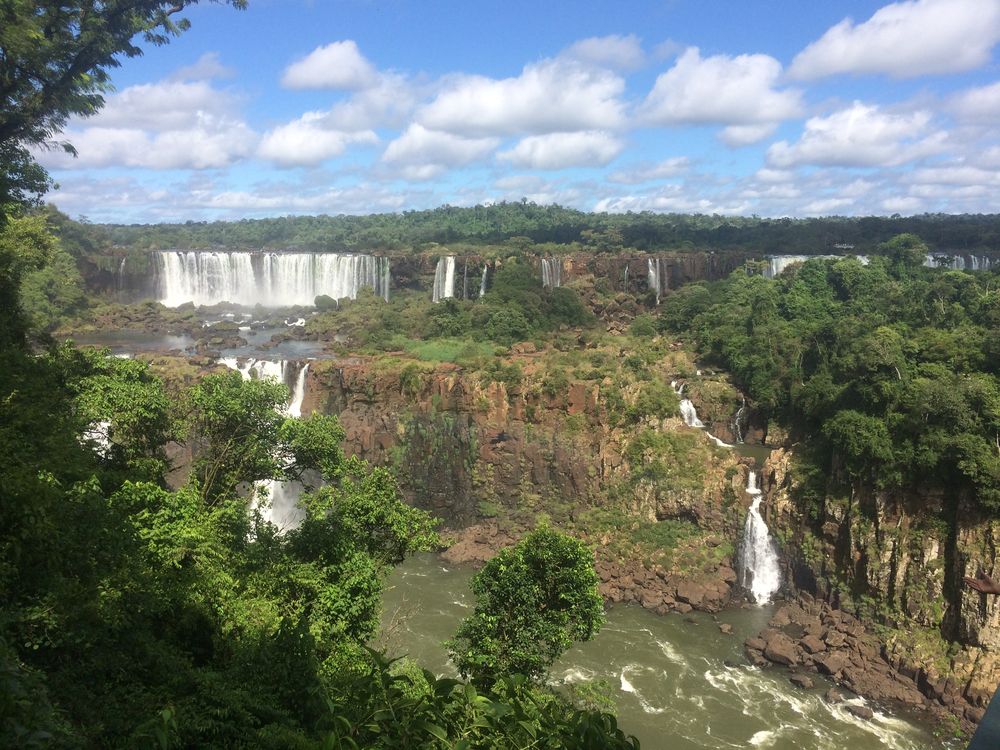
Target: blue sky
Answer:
pixel 354 106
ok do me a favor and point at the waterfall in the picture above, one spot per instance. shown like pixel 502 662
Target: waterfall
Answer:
pixel 551 273
pixel 760 572
pixel 776 264
pixel 690 415
pixel 738 421
pixel 482 281
pixel 444 278
pixel 625 289
pixel 121 273
pixel 959 262
pixel 283 510
pixel 653 276
pixel 269 279
pixel 465 280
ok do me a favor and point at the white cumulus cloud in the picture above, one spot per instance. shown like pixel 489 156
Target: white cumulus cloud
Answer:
pixel 307 141
pixel 738 91
pixel 906 39
pixel 563 150
pixel 422 154
pixel 165 125
pixel 981 104
pixel 663 170
pixel 551 96
pixel 861 135
pixel 615 51
pixel 338 65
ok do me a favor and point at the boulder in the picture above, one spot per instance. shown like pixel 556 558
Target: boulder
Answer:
pixel 691 593
pixel 801 681
pixel 781 650
pixel 831 663
pixel 812 644
pixel 862 712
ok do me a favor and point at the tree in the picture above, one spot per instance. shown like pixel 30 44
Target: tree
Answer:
pixel 533 601
pixel 55 63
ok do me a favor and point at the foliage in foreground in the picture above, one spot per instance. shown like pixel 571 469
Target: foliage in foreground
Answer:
pixel 135 615
pixel 533 601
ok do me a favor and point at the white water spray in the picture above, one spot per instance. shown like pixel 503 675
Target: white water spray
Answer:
pixel 760 572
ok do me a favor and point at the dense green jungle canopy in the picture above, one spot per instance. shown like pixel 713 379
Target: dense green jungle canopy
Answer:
pixel 523 223
pixel 889 371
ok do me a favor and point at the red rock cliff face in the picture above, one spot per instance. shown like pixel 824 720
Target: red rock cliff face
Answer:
pixel 460 444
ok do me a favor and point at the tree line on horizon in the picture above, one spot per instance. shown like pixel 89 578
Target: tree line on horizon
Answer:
pixel 521 224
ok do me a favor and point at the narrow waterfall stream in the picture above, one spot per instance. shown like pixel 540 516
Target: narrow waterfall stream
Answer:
pixel 690 415
pixel 760 570
pixel 482 281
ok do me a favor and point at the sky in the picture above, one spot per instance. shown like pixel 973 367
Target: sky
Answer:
pixel 689 106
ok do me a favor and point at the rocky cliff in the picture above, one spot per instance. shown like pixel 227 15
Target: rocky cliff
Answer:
pixel 897 560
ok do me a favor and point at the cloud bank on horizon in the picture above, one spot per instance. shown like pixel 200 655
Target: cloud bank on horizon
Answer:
pixel 890 110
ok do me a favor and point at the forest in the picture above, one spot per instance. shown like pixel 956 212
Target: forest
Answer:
pixel 889 370
pixel 524 223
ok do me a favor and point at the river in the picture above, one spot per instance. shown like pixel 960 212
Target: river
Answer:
pixel 678 682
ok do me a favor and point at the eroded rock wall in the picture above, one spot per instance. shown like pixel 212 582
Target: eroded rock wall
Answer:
pixel 898 559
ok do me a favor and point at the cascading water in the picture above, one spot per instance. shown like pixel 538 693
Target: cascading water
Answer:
pixel 551 273
pixel 776 264
pixel 625 287
pixel 959 262
pixel 760 572
pixel 444 278
pixel 482 281
pixel 283 510
pixel 690 415
pixel 738 421
pixel 653 276
pixel 269 279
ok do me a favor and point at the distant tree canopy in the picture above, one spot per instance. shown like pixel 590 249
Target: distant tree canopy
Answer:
pixel 516 226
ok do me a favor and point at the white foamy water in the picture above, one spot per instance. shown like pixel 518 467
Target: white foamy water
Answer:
pixel 760 566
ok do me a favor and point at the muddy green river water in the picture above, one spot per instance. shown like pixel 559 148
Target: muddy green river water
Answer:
pixel 678 682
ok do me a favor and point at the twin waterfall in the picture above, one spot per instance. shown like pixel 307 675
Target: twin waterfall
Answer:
pixel 444 279
pixel 283 510
pixel 760 571
pixel 269 279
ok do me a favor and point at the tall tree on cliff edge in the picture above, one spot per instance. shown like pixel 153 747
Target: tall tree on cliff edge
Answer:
pixel 55 62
